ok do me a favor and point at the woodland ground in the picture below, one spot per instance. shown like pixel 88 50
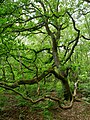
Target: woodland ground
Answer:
pixel 12 111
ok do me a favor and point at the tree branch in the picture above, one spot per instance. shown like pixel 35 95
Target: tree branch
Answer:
pixel 29 82
pixel 87 1
pixel 76 39
pixel 45 97
pixel 29 29
pixel 85 38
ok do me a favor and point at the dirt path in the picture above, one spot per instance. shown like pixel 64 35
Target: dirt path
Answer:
pixel 80 111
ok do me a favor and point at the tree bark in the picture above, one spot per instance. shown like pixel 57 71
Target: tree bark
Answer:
pixel 65 85
pixel 66 90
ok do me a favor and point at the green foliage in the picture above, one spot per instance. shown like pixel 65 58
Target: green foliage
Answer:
pixel 3 101
pixel 28 30
pixel 47 114
pixel 22 102
pixel 84 88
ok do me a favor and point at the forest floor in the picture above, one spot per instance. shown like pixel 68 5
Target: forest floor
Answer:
pixel 11 111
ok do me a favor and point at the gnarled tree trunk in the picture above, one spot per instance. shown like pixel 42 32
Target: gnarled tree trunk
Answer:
pixel 66 90
pixel 65 84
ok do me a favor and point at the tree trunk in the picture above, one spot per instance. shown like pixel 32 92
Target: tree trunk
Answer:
pixel 66 90
pixel 65 84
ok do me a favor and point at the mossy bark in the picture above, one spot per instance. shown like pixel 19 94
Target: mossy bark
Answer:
pixel 66 90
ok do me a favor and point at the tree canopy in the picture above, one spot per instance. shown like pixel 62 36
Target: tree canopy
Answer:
pixel 43 40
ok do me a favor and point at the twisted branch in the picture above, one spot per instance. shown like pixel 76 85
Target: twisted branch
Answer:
pixel 45 97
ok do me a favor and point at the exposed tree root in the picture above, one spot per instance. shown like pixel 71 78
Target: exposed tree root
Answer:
pixel 46 97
